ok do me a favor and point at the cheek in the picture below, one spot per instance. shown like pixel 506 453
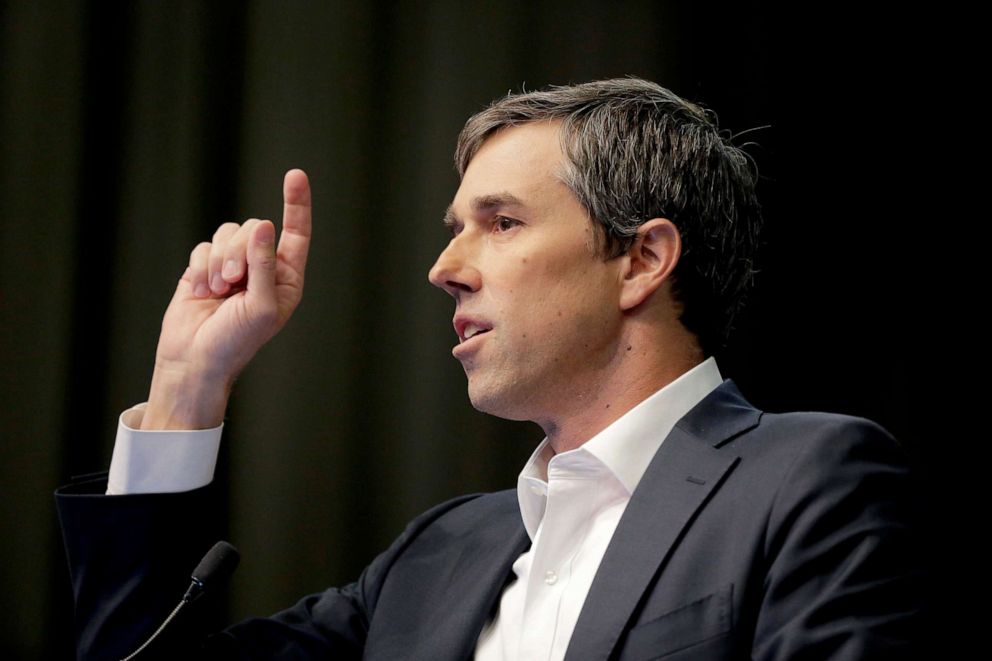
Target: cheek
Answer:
pixel 562 310
pixel 550 295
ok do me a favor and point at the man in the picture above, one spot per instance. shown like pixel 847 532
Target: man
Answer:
pixel 602 239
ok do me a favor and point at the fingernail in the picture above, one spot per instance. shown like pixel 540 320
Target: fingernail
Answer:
pixel 266 234
pixel 230 268
pixel 217 283
pixel 201 291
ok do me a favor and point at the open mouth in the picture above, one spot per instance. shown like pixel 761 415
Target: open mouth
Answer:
pixel 467 328
pixel 472 330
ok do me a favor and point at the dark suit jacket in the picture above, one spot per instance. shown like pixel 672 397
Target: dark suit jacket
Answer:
pixel 751 535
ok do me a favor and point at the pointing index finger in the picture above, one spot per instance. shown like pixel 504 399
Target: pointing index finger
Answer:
pixel 294 243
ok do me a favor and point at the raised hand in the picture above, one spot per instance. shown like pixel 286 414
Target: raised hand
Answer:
pixel 237 292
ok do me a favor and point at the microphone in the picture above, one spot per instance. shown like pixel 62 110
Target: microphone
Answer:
pixel 219 563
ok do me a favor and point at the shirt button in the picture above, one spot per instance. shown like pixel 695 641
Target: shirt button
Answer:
pixel 550 577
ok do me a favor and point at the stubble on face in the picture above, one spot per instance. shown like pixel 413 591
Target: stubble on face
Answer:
pixel 550 297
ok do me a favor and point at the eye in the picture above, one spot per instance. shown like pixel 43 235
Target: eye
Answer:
pixel 504 224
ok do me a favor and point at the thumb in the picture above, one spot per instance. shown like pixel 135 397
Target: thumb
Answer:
pixel 260 297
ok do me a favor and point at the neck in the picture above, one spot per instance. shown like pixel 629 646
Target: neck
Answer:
pixel 639 372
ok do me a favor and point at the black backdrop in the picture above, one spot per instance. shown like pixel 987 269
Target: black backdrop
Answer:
pixel 130 130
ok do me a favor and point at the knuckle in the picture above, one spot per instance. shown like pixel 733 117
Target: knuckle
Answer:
pixel 266 261
pixel 200 250
pixel 220 247
pixel 246 228
pixel 225 230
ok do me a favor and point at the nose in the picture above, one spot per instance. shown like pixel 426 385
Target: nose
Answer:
pixel 453 272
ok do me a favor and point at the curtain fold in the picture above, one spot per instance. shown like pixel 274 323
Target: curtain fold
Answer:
pixel 131 130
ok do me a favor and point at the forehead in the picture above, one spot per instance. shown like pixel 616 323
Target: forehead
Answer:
pixel 522 162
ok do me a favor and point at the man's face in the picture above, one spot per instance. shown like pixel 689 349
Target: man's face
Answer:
pixel 536 309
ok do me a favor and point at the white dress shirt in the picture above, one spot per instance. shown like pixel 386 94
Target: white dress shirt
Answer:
pixel 160 461
pixel 570 503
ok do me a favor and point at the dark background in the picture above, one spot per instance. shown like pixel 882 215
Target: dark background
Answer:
pixel 129 131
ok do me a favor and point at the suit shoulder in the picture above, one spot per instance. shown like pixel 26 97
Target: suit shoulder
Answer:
pixel 496 500
pixel 828 423
pixel 812 451
pixel 467 516
pixel 833 458
pixel 469 511
pixel 842 539
pixel 827 434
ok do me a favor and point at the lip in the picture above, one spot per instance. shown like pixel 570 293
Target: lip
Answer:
pixel 463 321
pixel 467 346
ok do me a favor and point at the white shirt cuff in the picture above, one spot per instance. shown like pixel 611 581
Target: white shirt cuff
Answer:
pixel 160 461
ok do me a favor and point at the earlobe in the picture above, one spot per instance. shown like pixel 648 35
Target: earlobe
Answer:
pixel 650 261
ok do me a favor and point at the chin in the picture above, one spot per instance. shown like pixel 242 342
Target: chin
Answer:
pixel 500 402
pixel 484 402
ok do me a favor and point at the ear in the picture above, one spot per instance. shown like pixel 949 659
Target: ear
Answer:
pixel 650 261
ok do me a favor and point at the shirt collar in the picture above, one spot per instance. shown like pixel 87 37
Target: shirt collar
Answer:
pixel 627 446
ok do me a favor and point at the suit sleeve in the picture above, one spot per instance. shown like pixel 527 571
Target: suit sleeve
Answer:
pixel 846 575
pixel 130 559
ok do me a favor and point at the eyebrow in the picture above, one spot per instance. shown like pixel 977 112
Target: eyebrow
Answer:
pixel 483 203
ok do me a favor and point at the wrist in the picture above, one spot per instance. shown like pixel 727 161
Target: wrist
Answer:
pixel 181 398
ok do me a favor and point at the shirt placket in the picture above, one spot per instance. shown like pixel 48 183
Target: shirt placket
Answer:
pixel 569 510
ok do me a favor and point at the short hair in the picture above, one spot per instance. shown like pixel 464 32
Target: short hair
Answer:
pixel 634 151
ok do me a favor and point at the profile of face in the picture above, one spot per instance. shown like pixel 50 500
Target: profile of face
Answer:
pixel 537 310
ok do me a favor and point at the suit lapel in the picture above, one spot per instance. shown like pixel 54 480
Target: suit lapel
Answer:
pixel 458 584
pixel 477 588
pixel 684 472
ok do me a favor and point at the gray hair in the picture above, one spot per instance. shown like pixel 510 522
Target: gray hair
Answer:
pixel 634 151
